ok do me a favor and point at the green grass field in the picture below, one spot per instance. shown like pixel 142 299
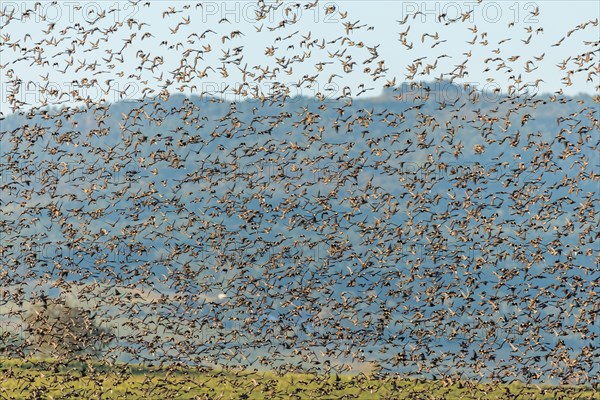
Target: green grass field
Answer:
pixel 40 380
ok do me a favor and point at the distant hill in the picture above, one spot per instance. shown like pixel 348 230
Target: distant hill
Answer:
pixel 348 219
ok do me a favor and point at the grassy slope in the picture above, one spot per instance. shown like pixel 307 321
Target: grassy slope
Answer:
pixel 40 380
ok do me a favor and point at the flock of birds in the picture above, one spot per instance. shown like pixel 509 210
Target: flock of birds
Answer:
pixel 434 236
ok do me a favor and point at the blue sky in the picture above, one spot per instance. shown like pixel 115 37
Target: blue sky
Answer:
pixel 499 28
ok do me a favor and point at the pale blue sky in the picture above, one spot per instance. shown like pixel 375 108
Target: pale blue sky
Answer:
pixel 499 20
